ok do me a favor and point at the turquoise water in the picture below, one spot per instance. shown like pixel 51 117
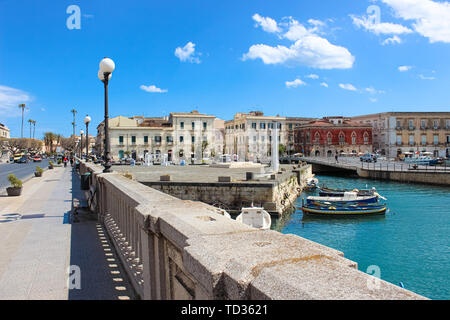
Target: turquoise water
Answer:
pixel 410 244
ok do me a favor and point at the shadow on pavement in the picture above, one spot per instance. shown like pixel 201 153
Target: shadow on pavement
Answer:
pixel 100 272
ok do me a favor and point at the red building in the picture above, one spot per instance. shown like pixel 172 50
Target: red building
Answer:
pixel 325 137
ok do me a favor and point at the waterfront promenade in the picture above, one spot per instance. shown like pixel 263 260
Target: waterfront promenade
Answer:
pixel 39 241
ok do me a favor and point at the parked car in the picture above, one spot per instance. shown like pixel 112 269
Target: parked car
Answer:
pixel 37 158
pixel 368 158
pixel 23 160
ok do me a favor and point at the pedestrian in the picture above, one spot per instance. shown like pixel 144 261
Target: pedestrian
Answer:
pixel 71 161
pixel 65 161
pixel 336 157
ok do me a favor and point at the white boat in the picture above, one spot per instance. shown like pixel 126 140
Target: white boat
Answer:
pixel 255 217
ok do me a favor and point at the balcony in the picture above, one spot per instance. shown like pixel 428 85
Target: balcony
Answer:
pixel 398 128
pixel 411 128
pixel 423 128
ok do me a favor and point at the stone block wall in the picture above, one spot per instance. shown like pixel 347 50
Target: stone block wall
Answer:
pixel 178 249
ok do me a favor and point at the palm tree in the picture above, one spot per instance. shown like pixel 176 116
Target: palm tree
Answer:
pixel 22 106
pixel 73 123
pixel 34 127
pixel 30 121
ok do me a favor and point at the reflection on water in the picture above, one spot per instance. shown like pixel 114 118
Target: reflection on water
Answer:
pixel 410 244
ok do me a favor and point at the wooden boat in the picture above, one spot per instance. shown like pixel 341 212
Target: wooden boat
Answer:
pixel 344 211
pixel 311 184
pixel 347 198
pixel 255 217
pixel 328 192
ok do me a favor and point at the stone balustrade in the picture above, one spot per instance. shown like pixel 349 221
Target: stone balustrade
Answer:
pixel 179 249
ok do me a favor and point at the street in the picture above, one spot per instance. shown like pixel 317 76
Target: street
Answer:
pixel 21 170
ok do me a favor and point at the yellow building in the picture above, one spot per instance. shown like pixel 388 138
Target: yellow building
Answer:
pixel 396 133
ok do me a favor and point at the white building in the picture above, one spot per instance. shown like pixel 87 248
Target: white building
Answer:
pixel 249 135
pixel 4 131
pixel 181 136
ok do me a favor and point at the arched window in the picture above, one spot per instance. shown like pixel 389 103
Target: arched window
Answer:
pixel 317 138
pixel 366 138
pixel 329 138
pixel 341 138
pixel 353 137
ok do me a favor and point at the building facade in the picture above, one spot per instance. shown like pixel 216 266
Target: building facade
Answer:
pixel 181 136
pixel 4 131
pixel 328 136
pixel 396 133
pixel 249 135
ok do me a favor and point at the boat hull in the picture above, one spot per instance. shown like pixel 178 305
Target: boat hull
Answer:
pixel 344 212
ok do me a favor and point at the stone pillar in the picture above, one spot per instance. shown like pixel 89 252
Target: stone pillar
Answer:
pixel 275 147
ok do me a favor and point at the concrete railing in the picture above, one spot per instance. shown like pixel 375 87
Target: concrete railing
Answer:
pixel 178 249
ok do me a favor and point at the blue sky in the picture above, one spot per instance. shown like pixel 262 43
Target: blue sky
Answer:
pixel 292 58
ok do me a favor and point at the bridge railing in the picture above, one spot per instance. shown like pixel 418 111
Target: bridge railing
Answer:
pixel 176 249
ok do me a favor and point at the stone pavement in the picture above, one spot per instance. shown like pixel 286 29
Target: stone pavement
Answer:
pixel 40 244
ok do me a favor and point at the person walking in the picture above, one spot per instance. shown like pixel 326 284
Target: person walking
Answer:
pixel 336 157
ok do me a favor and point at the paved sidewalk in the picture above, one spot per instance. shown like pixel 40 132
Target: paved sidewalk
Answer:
pixel 39 243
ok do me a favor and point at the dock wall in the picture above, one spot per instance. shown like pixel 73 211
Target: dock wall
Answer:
pixel 179 249
pixel 425 177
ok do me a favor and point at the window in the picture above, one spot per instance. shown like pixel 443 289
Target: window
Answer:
pixel 279 126
pixel 423 124
pixel 435 124
pixel 435 139
pixel 133 139
pixel 145 139
pixel 448 139
pixel 424 139
pixel 290 126
pixel 193 125
pixel 254 138
pixel 341 138
pixel 205 125
pixel 399 139
pixel 262 125
pixel 157 139
pixel 169 139
pixel 447 124
pixel 317 138
pixel 329 138
pixel 399 124
pixel 353 137
pixel 366 138
pixel 182 125
pixel 120 139
pixel 181 139
pixel 193 139
pixel 262 138
pixel 253 125
pixel 411 140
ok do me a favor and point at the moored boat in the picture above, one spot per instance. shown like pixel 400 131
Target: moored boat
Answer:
pixel 347 198
pixel 255 217
pixel 311 184
pixel 331 210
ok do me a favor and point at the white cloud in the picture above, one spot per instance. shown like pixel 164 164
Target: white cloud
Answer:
pixel 373 100
pixel 392 40
pixel 308 49
pixel 324 84
pixel 153 88
pixel 187 53
pixel 295 83
pixel 10 98
pixel 266 23
pixel 372 90
pixel 379 28
pixel 431 19
pixel 347 86
pixel 313 76
pixel 404 68
pixel 421 76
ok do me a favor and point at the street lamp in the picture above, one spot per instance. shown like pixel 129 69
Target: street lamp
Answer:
pixel 86 121
pixel 81 144
pixel 107 66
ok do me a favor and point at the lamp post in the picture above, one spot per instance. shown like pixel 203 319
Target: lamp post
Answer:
pixel 81 144
pixel 107 66
pixel 86 121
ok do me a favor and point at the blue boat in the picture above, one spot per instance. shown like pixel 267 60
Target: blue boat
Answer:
pixel 355 210
pixel 348 198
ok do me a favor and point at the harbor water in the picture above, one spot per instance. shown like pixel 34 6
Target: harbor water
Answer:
pixel 410 245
